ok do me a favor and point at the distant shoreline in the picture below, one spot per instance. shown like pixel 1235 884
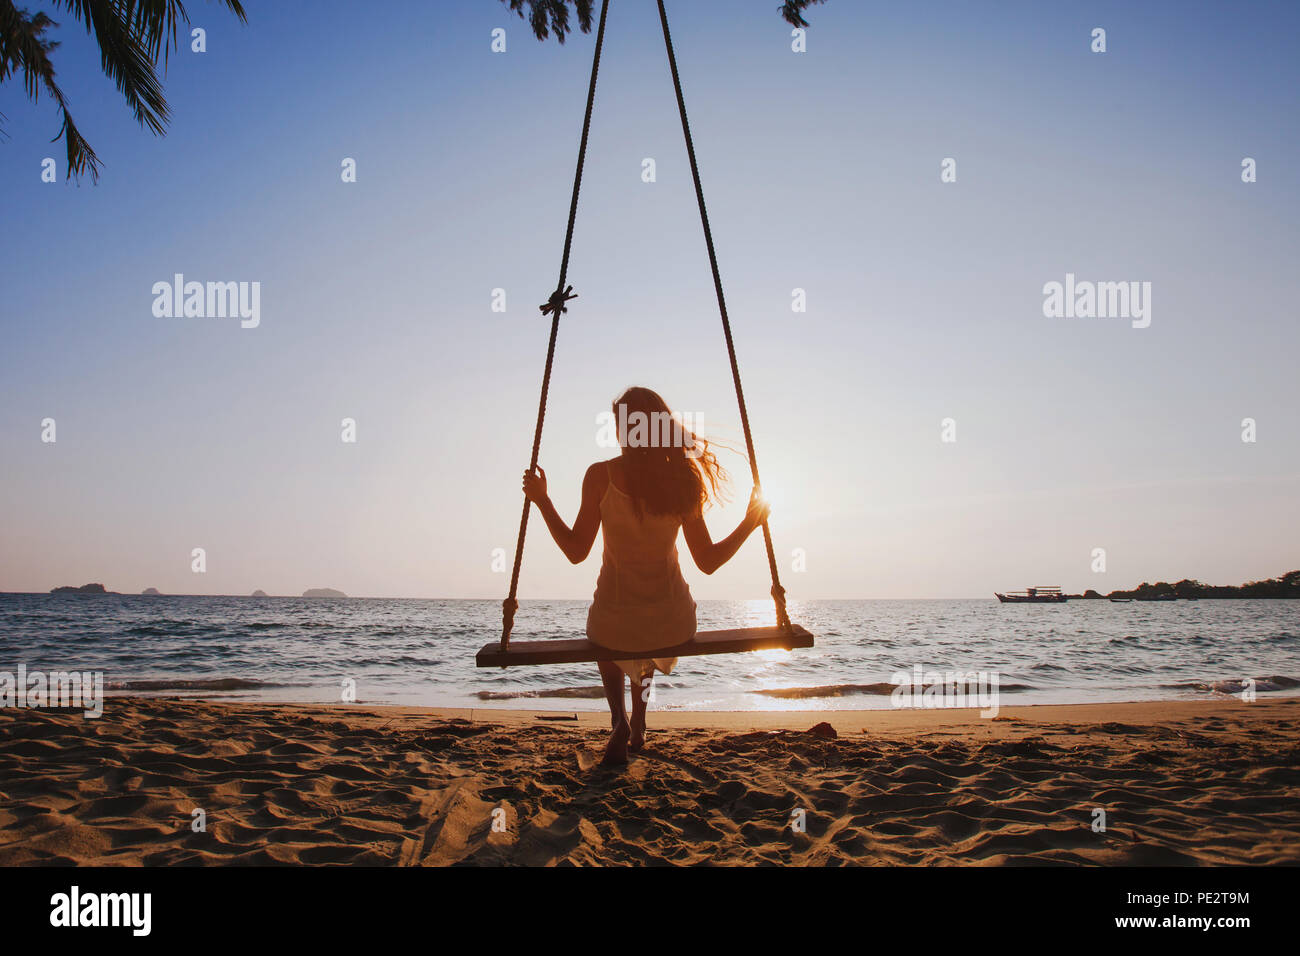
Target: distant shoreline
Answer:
pixel 1073 598
pixel 1285 587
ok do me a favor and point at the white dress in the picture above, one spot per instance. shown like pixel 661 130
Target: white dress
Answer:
pixel 642 602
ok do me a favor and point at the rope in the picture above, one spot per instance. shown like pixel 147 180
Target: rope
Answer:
pixel 778 592
pixel 555 308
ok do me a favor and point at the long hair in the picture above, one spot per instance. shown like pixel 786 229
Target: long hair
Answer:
pixel 670 469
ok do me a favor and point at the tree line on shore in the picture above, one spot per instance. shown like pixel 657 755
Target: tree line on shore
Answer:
pixel 1286 586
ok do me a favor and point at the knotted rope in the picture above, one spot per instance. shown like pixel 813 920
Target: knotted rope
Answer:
pixel 554 307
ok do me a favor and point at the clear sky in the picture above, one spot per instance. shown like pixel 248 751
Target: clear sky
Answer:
pixel 822 172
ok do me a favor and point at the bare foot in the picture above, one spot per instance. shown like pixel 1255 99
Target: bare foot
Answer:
pixel 637 743
pixel 616 749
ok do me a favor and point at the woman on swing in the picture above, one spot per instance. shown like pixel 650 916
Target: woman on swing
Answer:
pixel 640 499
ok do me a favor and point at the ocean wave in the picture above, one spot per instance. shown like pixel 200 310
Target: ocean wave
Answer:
pixel 580 693
pixel 883 689
pixel 198 683
pixel 174 629
pixel 1273 683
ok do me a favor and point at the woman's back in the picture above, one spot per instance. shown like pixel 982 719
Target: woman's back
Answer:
pixel 641 600
pixel 640 548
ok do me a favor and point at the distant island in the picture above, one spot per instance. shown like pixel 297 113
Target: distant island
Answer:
pixel 84 589
pixel 1287 586
pixel 152 592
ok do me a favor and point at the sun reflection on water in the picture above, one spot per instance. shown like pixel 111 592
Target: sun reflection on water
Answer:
pixel 764 670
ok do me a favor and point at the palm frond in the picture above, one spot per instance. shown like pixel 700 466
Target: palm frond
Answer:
pixel 131 34
pixel 81 157
pixel 552 16
pixel 792 11
pixel 153 22
pixel 24 48
pixel 157 20
pixel 124 56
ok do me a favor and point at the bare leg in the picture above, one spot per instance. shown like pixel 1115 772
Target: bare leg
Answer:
pixel 611 675
pixel 640 702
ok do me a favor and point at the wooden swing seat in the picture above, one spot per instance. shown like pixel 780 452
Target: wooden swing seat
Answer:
pixel 581 650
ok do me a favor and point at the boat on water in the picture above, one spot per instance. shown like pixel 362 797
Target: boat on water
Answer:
pixel 1040 595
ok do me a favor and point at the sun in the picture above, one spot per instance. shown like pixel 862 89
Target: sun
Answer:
pixel 773 495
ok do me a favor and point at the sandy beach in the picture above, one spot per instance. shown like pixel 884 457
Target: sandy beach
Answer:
pixel 1202 782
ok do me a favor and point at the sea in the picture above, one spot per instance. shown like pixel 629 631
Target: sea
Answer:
pixel 421 652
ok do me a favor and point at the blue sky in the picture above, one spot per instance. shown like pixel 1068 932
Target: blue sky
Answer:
pixel 821 171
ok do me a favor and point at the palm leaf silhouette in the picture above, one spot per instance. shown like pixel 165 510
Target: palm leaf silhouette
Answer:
pixel 131 34
pixel 552 16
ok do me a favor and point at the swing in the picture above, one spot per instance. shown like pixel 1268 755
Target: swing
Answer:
pixel 783 636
